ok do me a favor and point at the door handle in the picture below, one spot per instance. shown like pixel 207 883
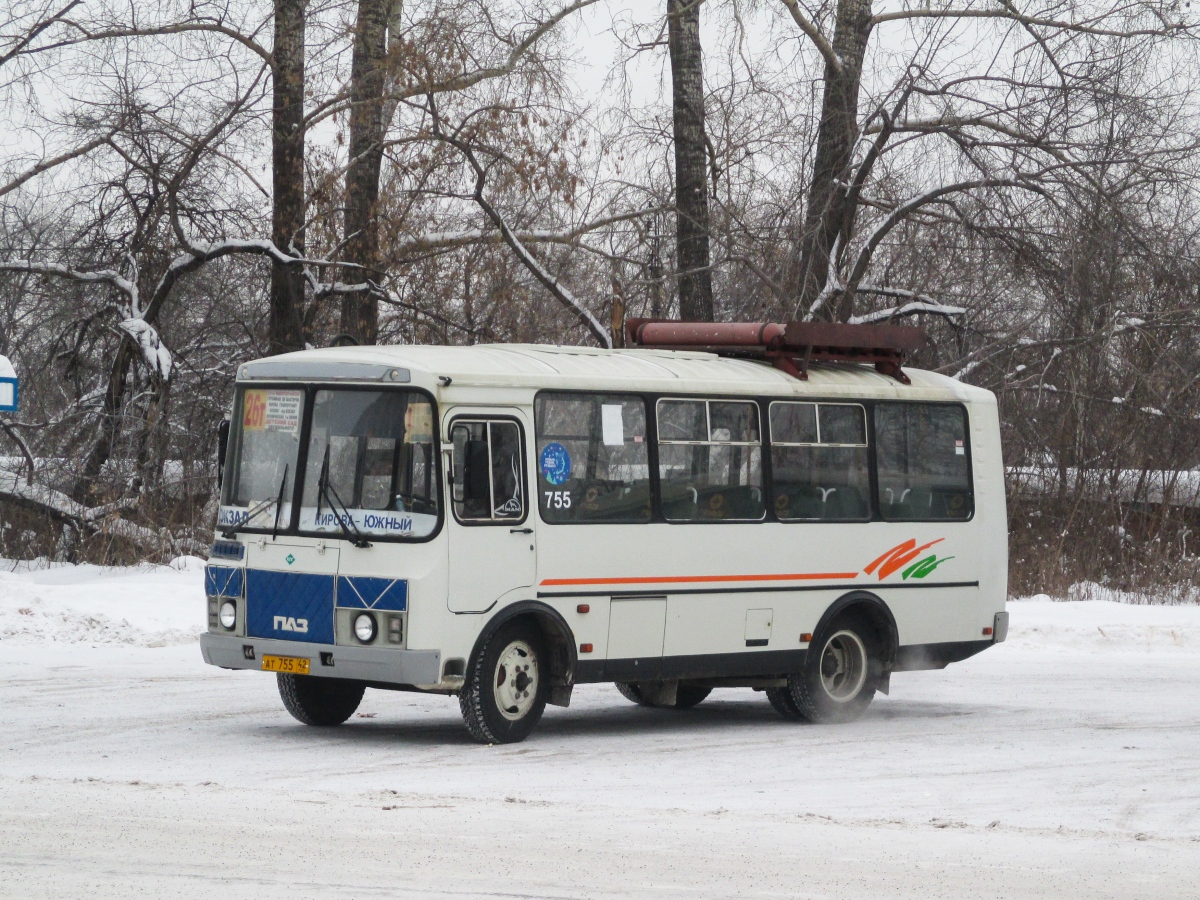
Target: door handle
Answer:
pixel 520 531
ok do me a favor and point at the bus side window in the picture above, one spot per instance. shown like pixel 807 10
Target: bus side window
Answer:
pixel 710 460
pixel 819 463
pixel 921 454
pixel 488 475
pixel 593 462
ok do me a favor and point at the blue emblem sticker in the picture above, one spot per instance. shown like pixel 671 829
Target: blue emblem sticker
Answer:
pixel 556 463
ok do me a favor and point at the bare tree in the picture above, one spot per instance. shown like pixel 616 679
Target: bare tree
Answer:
pixel 287 176
pixel 969 110
pixel 360 311
pixel 691 161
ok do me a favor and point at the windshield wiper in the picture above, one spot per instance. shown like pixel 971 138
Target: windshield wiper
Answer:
pixel 232 530
pixel 325 489
pixel 279 502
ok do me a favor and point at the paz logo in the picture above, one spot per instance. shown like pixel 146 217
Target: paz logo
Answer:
pixel 289 559
pixel 903 554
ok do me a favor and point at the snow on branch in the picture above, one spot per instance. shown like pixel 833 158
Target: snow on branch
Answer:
pixel 154 352
pixel 137 321
pixel 92 519
pixel 916 307
pixel 133 322
pixel 833 284
pixel 46 164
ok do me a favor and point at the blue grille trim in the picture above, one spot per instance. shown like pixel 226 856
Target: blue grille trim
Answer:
pixel 223 581
pixel 389 594
pixel 278 604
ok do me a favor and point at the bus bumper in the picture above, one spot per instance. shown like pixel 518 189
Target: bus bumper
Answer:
pixel 408 667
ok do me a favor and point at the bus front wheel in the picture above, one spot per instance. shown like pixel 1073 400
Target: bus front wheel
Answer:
pixel 839 680
pixel 505 691
pixel 319 701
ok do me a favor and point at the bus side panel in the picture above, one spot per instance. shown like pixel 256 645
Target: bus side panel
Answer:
pixel 991 514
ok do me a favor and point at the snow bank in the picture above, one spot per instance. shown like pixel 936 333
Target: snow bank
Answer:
pixel 1103 626
pixel 149 606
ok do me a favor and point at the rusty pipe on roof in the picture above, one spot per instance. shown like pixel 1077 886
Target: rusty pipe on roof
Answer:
pixel 712 334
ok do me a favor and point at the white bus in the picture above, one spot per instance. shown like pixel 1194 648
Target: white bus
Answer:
pixel 504 522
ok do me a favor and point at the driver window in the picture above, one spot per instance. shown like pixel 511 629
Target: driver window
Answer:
pixel 488 472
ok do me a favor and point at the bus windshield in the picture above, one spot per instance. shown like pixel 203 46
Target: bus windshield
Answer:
pixel 263 450
pixel 370 462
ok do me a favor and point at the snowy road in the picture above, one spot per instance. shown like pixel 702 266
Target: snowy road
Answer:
pixel 1065 763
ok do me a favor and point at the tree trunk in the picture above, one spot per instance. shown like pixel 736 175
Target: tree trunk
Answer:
pixel 285 326
pixel 691 172
pixel 826 216
pixel 83 488
pixel 360 312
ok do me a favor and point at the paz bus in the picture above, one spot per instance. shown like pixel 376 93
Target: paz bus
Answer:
pixel 785 508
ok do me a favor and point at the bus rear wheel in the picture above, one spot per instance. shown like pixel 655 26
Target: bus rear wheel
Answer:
pixel 319 701
pixel 505 691
pixel 686 695
pixel 781 699
pixel 839 680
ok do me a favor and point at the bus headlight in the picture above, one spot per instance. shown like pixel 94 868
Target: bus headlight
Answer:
pixel 228 615
pixel 364 627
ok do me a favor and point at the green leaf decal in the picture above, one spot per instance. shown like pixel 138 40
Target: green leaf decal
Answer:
pixel 923 567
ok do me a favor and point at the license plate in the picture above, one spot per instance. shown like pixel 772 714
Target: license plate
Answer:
pixel 292 665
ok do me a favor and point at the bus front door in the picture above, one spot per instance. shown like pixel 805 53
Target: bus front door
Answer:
pixel 492 547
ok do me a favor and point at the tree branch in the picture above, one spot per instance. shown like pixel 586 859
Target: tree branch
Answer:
pixel 1014 16
pixel 548 281
pixel 819 41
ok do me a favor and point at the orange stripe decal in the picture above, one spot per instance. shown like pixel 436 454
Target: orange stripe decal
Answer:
pixel 706 579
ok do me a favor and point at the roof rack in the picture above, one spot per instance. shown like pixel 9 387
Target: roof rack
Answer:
pixel 789 346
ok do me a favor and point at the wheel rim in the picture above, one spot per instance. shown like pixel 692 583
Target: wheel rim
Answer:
pixel 843 666
pixel 516 680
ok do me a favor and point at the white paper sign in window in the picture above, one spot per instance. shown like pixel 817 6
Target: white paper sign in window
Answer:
pixel 614 428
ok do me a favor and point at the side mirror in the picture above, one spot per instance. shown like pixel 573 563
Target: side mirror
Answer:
pixel 475 471
pixel 222 449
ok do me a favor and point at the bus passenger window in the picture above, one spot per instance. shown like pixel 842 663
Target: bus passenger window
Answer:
pixel 489 474
pixel 592 462
pixel 819 463
pixel 710 461
pixel 921 453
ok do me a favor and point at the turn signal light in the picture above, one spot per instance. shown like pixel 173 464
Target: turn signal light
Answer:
pixel 987 630
pixel 583 608
pixel 585 648
pixel 806 637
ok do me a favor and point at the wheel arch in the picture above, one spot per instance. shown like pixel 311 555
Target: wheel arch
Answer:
pixel 560 643
pixel 878 615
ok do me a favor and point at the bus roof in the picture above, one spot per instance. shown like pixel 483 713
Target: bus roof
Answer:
pixel 541 366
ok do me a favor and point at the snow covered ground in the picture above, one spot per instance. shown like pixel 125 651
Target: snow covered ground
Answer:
pixel 1064 763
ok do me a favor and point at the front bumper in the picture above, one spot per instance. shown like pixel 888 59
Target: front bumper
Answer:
pixel 408 667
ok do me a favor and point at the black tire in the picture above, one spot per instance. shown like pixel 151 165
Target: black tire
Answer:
pixel 781 699
pixel 840 673
pixel 689 695
pixel 686 696
pixel 319 701
pixel 504 694
pixel 630 692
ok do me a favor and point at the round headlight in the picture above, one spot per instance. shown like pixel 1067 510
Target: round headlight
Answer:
pixel 228 615
pixel 364 627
